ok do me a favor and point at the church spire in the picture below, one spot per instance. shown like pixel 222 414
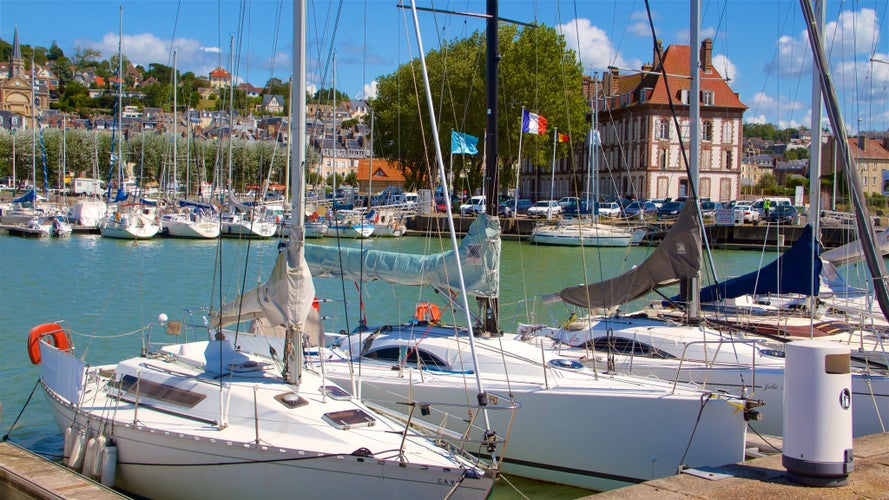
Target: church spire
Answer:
pixel 16 64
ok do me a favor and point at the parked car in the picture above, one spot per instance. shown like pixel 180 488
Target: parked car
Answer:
pixel 659 202
pixel 670 210
pixel 708 209
pixel 507 207
pixel 475 206
pixel 743 209
pixel 785 214
pixel 608 209
pixel 582 207
pixel 545 208
pixel 441 205
pixel 647 208
pixel 567 201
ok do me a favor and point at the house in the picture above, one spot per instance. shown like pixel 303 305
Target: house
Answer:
pixel 273 104
pixel 641 153
pixel 220 78
pixel 250 90
pixel 870 157
pixel 10 121
pixel 384 174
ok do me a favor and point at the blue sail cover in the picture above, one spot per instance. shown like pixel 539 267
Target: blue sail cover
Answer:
pixel 30 196
pixel 121 195
pixel 793 272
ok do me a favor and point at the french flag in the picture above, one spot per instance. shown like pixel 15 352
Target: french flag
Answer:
pixel 532 123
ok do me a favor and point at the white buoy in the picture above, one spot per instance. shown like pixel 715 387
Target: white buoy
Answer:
pixel 95 471
pixel 78 448
pixel 817 413
pixel 70 434
pixel 162 318
pixel 109 464
pixel 89 457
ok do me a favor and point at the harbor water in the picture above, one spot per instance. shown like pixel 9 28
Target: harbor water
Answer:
pixel 111 291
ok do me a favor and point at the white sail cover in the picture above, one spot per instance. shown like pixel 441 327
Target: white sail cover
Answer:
pixel 479 254
pixel 285 299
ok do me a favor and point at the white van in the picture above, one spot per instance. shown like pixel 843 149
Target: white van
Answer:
pixel 475 206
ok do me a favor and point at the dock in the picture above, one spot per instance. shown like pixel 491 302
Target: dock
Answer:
pixel 765 477
pixel 26 475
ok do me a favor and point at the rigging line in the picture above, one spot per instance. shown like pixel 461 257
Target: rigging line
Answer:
pixel 330 51
pixel 175 26
pixel 11 427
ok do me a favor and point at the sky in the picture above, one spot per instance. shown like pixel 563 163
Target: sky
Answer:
pixel 760 45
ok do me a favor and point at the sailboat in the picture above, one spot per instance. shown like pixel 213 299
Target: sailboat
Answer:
pixel 726 349
pixel 201 419
pixel 425 359
pixel 191 220
pixel 130 221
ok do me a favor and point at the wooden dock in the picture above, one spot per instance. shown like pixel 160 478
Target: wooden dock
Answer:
pixel 25 475
pixel 765 477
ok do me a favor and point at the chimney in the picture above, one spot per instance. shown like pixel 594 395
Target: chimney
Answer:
pixel 707 55
pixel 658 52
pixel 647 67
pixel 611 80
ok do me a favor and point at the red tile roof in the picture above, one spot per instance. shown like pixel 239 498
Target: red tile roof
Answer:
pixel 219 73
pixel 384 170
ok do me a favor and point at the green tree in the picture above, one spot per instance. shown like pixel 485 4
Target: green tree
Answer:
pixel 325 96
pixel 537 71
pixel 767 184
pixel 55 52
pixel 86 57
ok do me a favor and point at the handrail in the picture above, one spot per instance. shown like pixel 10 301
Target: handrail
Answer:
pixel 752 342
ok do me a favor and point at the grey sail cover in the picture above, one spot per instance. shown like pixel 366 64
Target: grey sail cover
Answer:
pixel 284 299
pixel 479 253
pixel 677 257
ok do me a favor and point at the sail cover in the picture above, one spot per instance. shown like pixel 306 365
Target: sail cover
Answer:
pixel 285 299
pixel 27 197
pixel 479 254
pixel 677 257
pixel 793 272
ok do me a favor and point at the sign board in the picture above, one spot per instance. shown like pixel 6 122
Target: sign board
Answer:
pixel 725 217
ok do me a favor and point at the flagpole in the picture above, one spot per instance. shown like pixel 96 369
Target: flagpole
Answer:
pixel 552 184
pixel 450 166
pixel 518 170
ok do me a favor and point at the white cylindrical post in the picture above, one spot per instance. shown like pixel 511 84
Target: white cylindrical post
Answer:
pixel 818 413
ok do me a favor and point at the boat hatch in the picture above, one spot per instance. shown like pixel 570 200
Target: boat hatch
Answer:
pixel 335 392
pixel 291 400
pixel 160 392
pixel 408 356
pixel 631 347
pixel 347 419
pixel 566 363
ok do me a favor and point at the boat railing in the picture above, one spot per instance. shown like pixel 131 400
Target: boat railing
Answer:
pixel 711 362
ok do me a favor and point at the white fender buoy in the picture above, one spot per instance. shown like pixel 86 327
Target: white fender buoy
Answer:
pixel 78 447
pixel 70 434
pixel 109 464
pixel 89 457
pixel 95 471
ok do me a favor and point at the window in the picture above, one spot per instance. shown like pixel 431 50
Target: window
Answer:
pixel 683 187
pixel 683 96
pixel 685 130
pixel 727 160
pixel 727 132
pixel 397 355
pixel 725 189
pixel 707 131
pixel 707 98
pixel 705 160
pixel 663 129
pixel 662 183
pixel 632 346
pixel 705 187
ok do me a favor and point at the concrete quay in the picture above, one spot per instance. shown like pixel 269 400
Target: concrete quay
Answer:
pixel 765 477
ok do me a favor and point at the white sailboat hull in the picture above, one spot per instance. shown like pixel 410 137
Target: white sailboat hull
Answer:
pixel 179 228
pixel 247 229
pixel 178 451
pixel 139 229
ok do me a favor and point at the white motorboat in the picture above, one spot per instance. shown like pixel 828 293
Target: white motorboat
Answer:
pixel 43 227
pixel 584 233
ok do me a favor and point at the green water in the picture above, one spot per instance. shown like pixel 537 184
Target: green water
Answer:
pixel 108 290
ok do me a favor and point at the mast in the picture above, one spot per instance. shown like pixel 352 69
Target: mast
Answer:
pixel 334 133
pixel 120 157
pixel 815 167
pixel 694 147
pixel 33 133
pixel 874 261
pixel 489 305
pixel 175 131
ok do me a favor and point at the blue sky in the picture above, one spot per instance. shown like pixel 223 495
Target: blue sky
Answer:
pixel 761 45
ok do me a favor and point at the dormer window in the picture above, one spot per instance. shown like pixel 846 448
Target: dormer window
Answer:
pixel 707 98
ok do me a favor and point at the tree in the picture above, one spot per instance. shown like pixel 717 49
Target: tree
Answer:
pixel 55 52
pixel 767 184
pixel 536 71
pixel 325 96
pixel 86 57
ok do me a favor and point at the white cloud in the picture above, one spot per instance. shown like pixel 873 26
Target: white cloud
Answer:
pixel 596 50
pixel 759 119
pixel 369 91
pixel 725 67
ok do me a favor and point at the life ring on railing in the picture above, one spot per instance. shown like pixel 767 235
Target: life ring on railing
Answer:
pixel 316 305
pixel 427 311
pixel 54 330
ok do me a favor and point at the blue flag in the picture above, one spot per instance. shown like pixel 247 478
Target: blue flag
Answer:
pixel 463 144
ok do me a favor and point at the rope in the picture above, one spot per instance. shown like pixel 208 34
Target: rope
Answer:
pixel 691 438
pixel 6 436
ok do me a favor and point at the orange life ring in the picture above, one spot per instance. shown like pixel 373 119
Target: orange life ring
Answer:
pixel 316 305
pixel 54 330
pixel 427 311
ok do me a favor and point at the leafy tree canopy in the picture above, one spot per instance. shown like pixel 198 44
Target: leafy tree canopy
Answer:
pixel 537 71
